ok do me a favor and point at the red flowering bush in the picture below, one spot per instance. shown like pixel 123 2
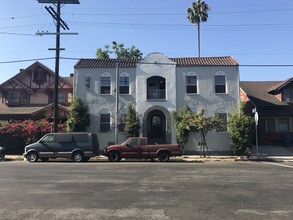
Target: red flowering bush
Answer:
pixel 16 135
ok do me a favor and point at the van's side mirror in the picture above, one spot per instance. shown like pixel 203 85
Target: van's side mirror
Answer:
pixel 127 145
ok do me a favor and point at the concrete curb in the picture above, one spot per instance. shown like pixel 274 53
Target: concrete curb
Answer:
pixel 185 158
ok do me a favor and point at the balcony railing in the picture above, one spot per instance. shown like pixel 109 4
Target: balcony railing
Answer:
pixel 156 94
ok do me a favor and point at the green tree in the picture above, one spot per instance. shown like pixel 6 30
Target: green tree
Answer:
pixel 181 120
pixel 185 120
pixel 119 50
pixel 77 120
pixel 197 13
pixel 205 124
pixel 240 129
pixel 132 126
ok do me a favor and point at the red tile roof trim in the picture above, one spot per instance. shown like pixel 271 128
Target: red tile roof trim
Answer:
pixel 131 62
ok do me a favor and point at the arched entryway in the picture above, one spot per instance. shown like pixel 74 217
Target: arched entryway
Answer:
pixel 156 125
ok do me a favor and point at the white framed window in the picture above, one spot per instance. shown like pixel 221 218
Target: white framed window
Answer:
pixel 105 84
pixel 124 84
pixel 105 121
pixel 220 83
pixel 87 81
pixel 191 83
pixel 284 124
pixel 61 97
pixel 223 116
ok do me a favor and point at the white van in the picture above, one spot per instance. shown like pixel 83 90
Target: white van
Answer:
pixel 77 146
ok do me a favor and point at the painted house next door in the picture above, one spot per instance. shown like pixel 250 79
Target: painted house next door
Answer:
pixel 156 86
pixel 273 101
pixel 30 94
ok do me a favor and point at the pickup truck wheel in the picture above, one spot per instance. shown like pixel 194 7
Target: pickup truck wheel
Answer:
pixel 164 156
pixel 78 156
pixel 32 157
pixel 114 156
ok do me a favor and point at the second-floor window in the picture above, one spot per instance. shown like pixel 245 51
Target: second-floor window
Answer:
pixel 124 85
pixel 61 97
pixel 191 84
pixel 17 98
pixel 220 84
pixel 288 95
pixel 156 88
pixel 105 85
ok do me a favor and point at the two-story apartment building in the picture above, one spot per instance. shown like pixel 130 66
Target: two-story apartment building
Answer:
pixel 156 86
pixel 30 94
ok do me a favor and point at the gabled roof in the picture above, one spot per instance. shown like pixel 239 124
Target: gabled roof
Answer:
pixel 131 62
pixel 15 80
pixel 37 63
pixel 50 106
pixel 257 92
pixel 63 79
pixel 275 89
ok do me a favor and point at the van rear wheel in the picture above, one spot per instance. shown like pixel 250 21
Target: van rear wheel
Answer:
pixel 78 156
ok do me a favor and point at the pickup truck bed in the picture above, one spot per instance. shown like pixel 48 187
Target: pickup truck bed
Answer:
pixel 138 148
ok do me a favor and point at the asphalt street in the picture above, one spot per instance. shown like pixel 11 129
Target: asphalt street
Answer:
pixel 146 190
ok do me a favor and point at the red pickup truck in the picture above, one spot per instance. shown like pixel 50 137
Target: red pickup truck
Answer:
pixel 137 147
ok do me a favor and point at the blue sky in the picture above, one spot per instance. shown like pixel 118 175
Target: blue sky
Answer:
pixel 258 34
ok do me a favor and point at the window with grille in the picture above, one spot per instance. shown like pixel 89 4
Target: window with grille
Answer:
pixel 105 122
pixel 123 85
pixel 105 85
pixel 220 84
pixel 191 84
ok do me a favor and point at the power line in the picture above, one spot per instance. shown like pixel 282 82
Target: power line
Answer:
pixel 10 33
pixel 27 60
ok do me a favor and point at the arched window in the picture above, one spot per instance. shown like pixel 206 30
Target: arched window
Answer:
pixel 156 87
pixel 220 82
pixel 191 83
pixel 105 83
pixel 105 120
pixel 88 81
pixel 223 116
pixel 124 84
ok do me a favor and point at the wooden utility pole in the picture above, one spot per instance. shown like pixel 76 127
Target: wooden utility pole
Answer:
pixel 59 23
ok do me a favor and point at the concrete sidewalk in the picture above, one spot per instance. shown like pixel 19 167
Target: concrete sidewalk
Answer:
pixel 276 153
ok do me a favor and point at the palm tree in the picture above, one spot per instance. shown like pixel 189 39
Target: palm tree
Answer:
pixel 198 12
